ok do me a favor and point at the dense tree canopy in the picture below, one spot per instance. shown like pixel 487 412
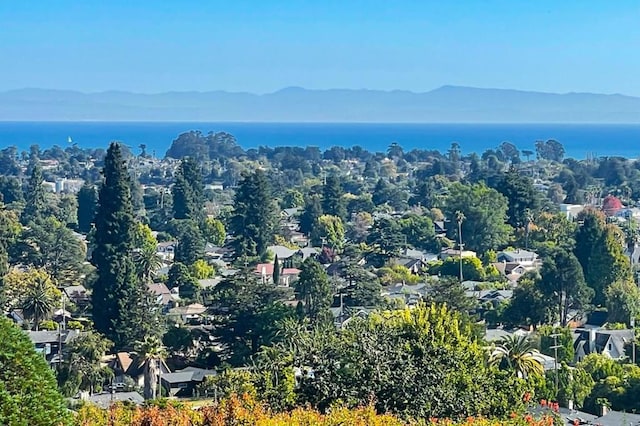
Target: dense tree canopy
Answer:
pixel 485 212
pixel 28 394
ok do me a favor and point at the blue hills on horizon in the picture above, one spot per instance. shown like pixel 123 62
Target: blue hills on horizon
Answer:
pixel 447 104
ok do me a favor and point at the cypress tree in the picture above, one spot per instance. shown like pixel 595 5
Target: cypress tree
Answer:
pixel 87 201
pixel 117 295
pixel 312 211
pixel 253 218
pixel 188 192
pixel 333 203
pixel 276 270
pixel 35 198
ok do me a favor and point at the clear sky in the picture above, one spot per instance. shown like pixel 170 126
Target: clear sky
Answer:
pixel 262 46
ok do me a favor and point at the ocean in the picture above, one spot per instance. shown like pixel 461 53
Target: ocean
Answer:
pixel 580 140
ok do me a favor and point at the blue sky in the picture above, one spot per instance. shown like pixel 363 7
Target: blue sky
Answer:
pixel 262 46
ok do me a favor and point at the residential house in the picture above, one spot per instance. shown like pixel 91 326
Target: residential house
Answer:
pixel 511 270
pixel 287 275
pixel 48 342
pixel 127 365
pixel 183 383
pixel 307 252
pixel 189 313
pixel 166 249
pixel 440 227
pixel 163 296
pixel 611 343
pixel 525 258
pixel 282 252
pixel 78 295
pixel 455 253
pixel 571 210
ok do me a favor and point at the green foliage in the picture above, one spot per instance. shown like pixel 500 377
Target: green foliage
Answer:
pixel 312 211
pixel 485 212
pixel 253 219
pixel 563 285
pixel 419 232
pixel 190 246
pixel 38 302
pixel 146 257
pixel 528 304
pixel 35 199
pixel 50 245
pixel 188 191
pixel 600 252
pixel 387 238
pixel 87 203
pixel 422 362
pixel 523 198
pixel 213 231
pixel 177 339
pixel 517 355
pixel 120 305
pixel 566 352
pixel 201 270
pixel 314 290
pixel 551 150
pixel 623 302
pixel 28 393
pixel 450 292
pixel 83 369
pixel 333 202
pixel 328 229
pixel 292 198
pixel 247 313
pixel 229 382
pixel 472 268
pixel 396 274
pixel 49 325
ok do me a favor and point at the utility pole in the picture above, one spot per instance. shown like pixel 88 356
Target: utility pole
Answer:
pixel 459 218
pixel 555 359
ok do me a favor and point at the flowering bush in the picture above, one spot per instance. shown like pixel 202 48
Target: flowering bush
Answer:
pixel 246 410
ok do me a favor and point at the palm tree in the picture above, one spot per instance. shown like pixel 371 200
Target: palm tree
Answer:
pixel 147 263
pixel 151 355
pixel 516 354
pixel 38 302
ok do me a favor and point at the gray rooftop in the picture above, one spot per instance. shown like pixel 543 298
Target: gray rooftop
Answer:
pixel 105 399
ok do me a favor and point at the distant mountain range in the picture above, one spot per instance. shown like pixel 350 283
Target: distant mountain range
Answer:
pixel 447 104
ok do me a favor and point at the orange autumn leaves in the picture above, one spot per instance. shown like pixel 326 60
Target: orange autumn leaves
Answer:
pixel 246 410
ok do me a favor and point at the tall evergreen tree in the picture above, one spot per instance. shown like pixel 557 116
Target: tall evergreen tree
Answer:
pixel 35 199
pixel 312 211
pixel 522 197
pixel 190 243
pixel 599 250
pixel 188 191
pixel 314 290
pixel 118 299
pixel 563 285
pixel 333 202
pixel 253 219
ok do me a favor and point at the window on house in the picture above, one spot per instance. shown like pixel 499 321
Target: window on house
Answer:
pixel 182 385
pixel 609 346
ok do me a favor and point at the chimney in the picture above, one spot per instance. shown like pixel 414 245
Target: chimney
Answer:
pixel 592 340
pixel 603 410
